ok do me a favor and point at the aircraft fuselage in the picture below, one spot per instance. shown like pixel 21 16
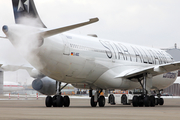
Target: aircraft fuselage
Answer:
pixel 94 62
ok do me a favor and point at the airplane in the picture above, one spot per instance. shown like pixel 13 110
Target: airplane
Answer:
pixel 88 61
pixel 11 86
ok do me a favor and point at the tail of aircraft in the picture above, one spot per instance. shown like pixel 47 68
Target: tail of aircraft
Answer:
pixel 25 13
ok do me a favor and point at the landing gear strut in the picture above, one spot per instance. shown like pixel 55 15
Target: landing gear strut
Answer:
pixel 145 99
pixel 97 99
pixel 58 100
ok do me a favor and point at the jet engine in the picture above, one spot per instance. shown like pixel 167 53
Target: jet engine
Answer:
pixel 45 85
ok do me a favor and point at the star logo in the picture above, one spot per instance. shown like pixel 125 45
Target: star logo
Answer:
pixel 23 6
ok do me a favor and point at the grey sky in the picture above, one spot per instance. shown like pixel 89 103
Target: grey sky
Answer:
pixel 150 23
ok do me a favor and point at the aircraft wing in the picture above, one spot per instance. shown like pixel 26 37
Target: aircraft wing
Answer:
pixel 153 70
pixel 32 71
pixel 52 32
pixel 16 67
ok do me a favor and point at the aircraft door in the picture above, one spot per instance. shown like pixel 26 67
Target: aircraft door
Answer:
pixel 66 50
pixel 113 56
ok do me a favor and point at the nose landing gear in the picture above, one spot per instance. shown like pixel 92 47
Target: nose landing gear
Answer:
pixel 97 99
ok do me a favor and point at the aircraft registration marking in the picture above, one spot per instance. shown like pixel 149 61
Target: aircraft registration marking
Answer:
pixel 74 54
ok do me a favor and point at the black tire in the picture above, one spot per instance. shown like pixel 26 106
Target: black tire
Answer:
pixel 90 93
pixel 54 99
pixel 135 101
pixel 101 101
pixel 146 101
pixel 60 101
pixel 152 101
pixel 49 101
pixel 93 104
pixel 141 101
pixel 124 99
pixel 161 101
pixel 66 101
pixel 111 99
pixel 156 101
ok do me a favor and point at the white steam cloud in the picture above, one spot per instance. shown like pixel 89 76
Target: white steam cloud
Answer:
pixel 27 40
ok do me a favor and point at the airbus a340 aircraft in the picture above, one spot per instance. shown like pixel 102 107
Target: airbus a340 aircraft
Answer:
pixel 88 62
pixel 11 86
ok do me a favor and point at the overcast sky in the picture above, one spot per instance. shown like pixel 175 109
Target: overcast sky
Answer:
pixel 153 23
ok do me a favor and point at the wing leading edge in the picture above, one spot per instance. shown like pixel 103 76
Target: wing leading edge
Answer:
pixel 153 70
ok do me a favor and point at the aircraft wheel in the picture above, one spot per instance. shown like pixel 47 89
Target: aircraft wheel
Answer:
pixel 135 101
pixel 146 101
pixel 152 101
pixel 156 101
pixel 141 101
pixel 93 104
pixel 66 101
pixel 101 101
pixel 60 101
pixel 161 101
pixel 54 99
pixel 49 101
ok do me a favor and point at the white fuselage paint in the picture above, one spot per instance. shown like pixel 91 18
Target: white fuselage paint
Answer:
pixel 96 62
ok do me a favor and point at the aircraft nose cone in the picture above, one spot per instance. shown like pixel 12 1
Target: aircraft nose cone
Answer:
pixel 5 28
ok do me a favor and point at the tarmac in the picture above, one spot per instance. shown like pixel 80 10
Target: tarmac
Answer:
pixel 31 108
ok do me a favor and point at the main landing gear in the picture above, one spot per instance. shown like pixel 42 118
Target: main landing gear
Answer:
pixel 58 100
pixel 145 99
pixel 97 99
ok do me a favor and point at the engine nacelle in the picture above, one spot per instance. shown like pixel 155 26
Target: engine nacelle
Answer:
pixel 35 73
pixel 45 85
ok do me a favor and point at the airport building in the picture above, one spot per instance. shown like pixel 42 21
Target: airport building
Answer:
pixel 174 90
